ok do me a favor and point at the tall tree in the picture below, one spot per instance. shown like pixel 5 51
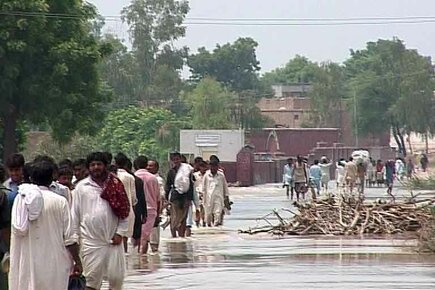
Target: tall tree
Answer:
pixel 392 88
pixel 154 25
pixel 298 70
pixel 48 67
pixel 327 95
pixel 209 105
pixel 233 64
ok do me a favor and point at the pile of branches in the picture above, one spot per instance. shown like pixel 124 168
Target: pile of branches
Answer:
pixel 332 216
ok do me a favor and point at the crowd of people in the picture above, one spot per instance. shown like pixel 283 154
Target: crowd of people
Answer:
pixel 350 175
pixel 77 217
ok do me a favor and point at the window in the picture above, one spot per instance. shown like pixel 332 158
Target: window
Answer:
pixel 296 117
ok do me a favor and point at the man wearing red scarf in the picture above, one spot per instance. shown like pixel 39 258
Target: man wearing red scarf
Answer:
pixel 100 212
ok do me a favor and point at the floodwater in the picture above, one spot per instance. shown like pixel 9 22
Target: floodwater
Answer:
pixel 220 258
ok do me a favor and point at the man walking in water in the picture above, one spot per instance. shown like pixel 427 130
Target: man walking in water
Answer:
pixel 288 177
pixel 215 193
pixel 100 213
pixel 41 236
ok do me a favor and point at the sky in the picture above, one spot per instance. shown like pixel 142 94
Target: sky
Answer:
pixel 278 44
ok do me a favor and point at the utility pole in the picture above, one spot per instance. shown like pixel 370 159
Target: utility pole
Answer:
pixel 355 118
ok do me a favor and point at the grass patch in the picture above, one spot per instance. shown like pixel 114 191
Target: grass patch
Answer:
pixel 427 183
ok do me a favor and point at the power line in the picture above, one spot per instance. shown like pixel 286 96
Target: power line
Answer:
pixel 253 21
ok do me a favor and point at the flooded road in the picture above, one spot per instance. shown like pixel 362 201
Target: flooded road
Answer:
pixel 220 258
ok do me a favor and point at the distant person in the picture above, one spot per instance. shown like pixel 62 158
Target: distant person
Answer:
pixel 152 196
pixel 380 172
pixel 300 178
pixel 121 162
pixel 400 169
pixel 371 173
pixel 179 192
pixel 80 171
pixel 325 166
pixel 424 161
pixel 140 209
pixel 287 177
pixel 410 168
pixel 390 171
pixel 215 194
pixel 14 166
pixel 65 176
pixel 199 190
pixel 340 175
pixel 351 174
pixel 153 168
pixel 42 242
pixel 316 175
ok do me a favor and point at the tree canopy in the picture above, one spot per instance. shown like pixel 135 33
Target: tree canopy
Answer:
pixel 298 70
pixel 393 88
pixel 135 131
pixel 235 65
pixel 48 68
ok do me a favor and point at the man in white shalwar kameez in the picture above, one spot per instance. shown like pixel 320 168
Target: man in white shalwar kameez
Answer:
pixel 42 243
pixel 99 229
pixel 127 179
pixel 215 192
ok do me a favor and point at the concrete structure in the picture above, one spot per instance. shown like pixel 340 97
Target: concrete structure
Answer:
pixel 223 143
pixel 293 91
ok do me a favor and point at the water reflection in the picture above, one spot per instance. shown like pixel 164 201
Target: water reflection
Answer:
pixel 223 259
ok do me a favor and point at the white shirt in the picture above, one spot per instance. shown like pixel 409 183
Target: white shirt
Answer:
pixel 39 259
pixel 130 188
pixel 94 222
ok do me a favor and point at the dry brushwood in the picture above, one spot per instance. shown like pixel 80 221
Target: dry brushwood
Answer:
pixel 332 216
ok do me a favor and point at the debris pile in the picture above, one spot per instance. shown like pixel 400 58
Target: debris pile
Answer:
pixel 332 216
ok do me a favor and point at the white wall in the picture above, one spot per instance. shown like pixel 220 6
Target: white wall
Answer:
pixel 223 143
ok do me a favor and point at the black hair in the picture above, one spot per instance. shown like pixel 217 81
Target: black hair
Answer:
pixel 350 158
pixel 129 165
pixel 175 153
pixel 16 160
pixel 79 162
pixel 121 160
pixel 108 156
pixel 48 159
pixel 141 162
pixel 27 172
pixel 96 156
pixel 65 170
pixel 42 173
pixel 316 162
pixel 198 159
pixel 65 162
pixel 214 157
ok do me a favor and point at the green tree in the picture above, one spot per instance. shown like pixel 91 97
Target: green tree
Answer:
pixel 327 95
pixel 209 105
pixel 48 68
pixel 154 25
pixel 135 131
pixel 392 88
pixel 233 64
pixel 298 70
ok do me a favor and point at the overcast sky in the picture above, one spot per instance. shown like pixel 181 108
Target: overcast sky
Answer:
pixel 278 44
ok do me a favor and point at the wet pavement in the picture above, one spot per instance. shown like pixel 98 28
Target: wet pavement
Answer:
pixel 220 258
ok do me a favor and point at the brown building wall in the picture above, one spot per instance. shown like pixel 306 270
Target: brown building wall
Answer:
pixel 291 142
